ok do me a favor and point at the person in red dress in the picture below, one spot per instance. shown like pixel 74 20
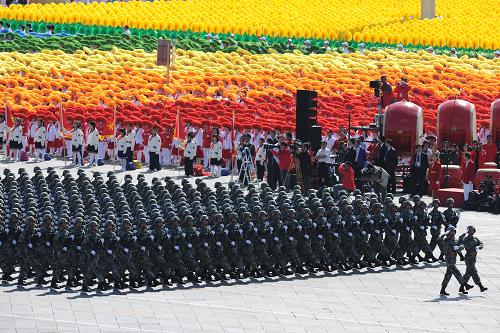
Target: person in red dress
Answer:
pixel 402 89
pixel 434 174
pixel 205 144
pixel 468 173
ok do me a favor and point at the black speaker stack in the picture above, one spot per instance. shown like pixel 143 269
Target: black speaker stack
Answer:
pixel 306 128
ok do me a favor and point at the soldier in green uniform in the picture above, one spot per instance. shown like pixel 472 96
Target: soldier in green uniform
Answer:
pixel 472 245
pixel 91 247
pixel 450 247
pixel 62 246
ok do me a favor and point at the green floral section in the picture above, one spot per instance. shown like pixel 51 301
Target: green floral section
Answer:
pixel 105 38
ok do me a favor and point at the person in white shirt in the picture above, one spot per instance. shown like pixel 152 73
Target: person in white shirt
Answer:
pixel 189 154
pixel 401 48
pixel 122 147
pixel 31 135
pixel 430 50
pixel 154 149
pixel 51 137
pixel 260 159
pixel 3 135
pixel 483 133
pixel 198 136
pixel 76 143
pixel 130 142
pixel 227 146
pixel 16 140
pixel 92 143
pixel 345 48
pixel 215 156
pixel 138 144
pixel 323 158
pixel 330 139
pixel 40 139
pixel 362 48
pixel 453 53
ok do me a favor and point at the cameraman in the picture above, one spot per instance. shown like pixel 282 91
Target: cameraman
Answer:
pixel 386 89
pixel 378 178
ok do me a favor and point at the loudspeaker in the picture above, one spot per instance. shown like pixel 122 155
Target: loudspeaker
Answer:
pixel 306 113
pixel 315 137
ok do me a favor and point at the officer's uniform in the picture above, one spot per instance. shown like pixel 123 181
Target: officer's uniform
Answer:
pixel 189 157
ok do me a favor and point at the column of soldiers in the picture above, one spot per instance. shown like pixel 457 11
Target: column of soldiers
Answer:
pixel 90 230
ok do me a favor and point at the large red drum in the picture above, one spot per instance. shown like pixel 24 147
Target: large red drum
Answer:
pixel 495 121
pixel 403 124
pixel 456 122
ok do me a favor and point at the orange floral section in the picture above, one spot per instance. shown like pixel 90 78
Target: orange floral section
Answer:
pixel 260 88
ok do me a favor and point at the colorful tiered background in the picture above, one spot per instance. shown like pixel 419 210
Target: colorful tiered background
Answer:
pixel 99 67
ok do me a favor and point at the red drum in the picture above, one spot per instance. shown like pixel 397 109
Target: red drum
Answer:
pixel 403 124
pixel 456 122
pixel 495 121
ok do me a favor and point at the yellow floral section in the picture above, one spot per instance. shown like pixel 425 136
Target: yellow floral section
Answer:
pixel 52 76
pixel 460 23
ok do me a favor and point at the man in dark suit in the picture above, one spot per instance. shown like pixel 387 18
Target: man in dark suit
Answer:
pixel 382 151
pixel 418 170
pixel 390 165
pixel 350 154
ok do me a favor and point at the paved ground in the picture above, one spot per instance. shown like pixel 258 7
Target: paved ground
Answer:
pixel 378 300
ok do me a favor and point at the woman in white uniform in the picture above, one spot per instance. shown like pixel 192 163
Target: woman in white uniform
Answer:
pixel 92 143
pixel 40 139
pixel 76 143
pixel 122 146
pixel 16 140
pixel 215 156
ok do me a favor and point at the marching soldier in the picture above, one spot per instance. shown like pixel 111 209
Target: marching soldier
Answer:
pixel 437 220
pixel 62 246
pixel 91 247
pixel 450 247
pixel 472 245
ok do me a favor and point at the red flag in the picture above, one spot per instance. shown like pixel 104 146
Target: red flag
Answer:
pixel 179 130
pixel 109 127
pixel 62 118
pixel 233 151
pixel 9 119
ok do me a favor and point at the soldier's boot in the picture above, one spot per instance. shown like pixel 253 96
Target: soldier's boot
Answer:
pixel 362 264
pixel 152 283
pixel 85 287
pixel 462 258
pixel 462 289
pixel 420 258
pixel 443 292
pixel 413 260
pixel 133 283
pixel 481 287
pixel 441 257
pixel 218 277
pixel 53 284
pixel 468 286
pixel 117 284
pixel 70 283
pixel 21 282
pixel 393 262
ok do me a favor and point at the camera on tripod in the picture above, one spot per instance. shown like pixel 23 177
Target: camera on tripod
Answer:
pixel 376 85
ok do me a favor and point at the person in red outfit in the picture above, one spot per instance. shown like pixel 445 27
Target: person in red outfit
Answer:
pixel 490 149
pixel 468 172
pixel 477 155
pixel 347 174
pixel 285 162
pixel 434 174
pixel 387 94
pixel 402 89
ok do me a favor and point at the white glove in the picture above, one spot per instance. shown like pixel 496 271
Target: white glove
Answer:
pixel 65 249
pixel 14 242
pixel 320 236
pixel 134 238
pixel 125 250
pixel 183 234
pixel 248 242
pixel 168 236
pixel 407 228
pixel 255 229
pixel 160 247
pixel 189 245
pixel 226 231
pixel 263 240
pixel 72 237
pixel 306 236
pixel 328 225
pixel 363 232
pixel 478 248
pixel 205 244
pixel 197 233
pixel 39 234
pixel 233 243
pixel 357 222
pixel 422 227
pixel 314 225
pixel 109 252
pixel 343 222
pixel 276 239
pixel 349 234
pixel 371 221
pixel 401 220
pixel 415 218
pixel 434 227
pixel 143 248
pixel 394 231
pixel 151 237
pixel 336 234
pixel 118 239
pixel 92 252
pixel 386 220
pixel 241 231
pixel 176 248
pixel 48 243
pixel 300 227
pixel 218 243
pixel 285 228
pixel 377 231
pixel 78 248
pixel 30 245
pixel 102 240
pixel 212 232
pixel 290 238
